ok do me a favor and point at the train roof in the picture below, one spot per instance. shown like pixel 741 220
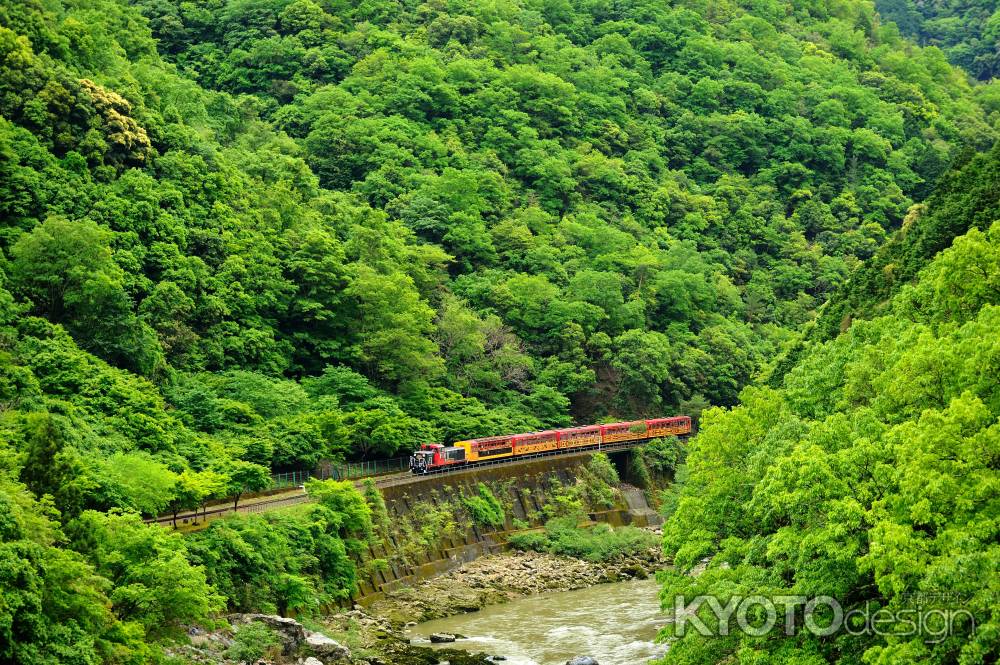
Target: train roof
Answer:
pixel 578 428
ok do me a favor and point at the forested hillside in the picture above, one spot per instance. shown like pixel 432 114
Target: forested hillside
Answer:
pixel 244 236
pixel 279 232
pixel 965 199
pixel 968 31
pixel 872 474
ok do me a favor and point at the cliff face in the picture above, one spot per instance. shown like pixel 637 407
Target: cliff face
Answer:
pixel 433 527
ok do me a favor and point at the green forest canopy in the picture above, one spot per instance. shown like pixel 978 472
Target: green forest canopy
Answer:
pixel 872 475
pixel 968 31
pixel 277 232
pixel 241 237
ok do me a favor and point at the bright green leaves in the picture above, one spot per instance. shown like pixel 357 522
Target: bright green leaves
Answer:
pixel 146 486
pixel 287 561
pixel 394 327
pixel 965 277
pixel 66 270
pixel 871 477
pixel 243 477
pixel 380 429
pixel 154 584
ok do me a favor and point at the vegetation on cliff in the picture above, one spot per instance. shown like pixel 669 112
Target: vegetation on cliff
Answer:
pixel 870 475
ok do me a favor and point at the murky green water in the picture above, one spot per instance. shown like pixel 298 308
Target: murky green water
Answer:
pixel 614 623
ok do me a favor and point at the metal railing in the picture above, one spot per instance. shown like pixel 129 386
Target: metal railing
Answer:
pixel 342 471
pixel 364 469
pixel 289 479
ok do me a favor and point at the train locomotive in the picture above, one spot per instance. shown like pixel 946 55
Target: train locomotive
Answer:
pixel 435 457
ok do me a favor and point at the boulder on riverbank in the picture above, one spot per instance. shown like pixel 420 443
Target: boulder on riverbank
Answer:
pixel 582 660
pixel 327 649
pixel 295 639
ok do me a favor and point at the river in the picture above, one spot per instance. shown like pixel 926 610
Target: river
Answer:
pixel 614 623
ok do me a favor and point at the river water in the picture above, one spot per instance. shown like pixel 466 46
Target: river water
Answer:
pixel 614 623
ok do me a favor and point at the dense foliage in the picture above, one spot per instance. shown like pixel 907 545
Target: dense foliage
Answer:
pixel 871 475
pixel 340 230
pixel 601 542
pixel 968 31
pixel 245 236
pixel 242 236
pixel 485 508
pixel 965 199
pixel 105 587
pixel 283 561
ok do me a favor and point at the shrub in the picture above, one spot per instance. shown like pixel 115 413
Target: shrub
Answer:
pixel 599 543
pixel 380 514
pixel 598 479
pixel 436 523
pixel 565 502
pixel 662 456
pixel 251 643
pixel 639 470
pixel 485 509
pixel 601 466
pixel 535 541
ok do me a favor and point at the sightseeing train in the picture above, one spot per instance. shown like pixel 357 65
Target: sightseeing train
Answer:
pixel 436 457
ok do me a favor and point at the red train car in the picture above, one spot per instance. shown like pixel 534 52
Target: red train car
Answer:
pixel 578 437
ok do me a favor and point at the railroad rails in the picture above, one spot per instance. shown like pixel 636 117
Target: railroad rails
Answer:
pixel 680 428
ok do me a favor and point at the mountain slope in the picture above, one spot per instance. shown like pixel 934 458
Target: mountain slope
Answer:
pixel 869 476
pixel 968 31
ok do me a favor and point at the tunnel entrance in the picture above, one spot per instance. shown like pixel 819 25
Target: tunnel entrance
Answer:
pixel 622 460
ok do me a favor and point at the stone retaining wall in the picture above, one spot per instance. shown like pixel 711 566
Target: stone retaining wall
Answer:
pixel 523 489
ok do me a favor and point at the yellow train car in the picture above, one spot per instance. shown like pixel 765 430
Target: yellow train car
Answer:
pixel 623 431
pixel 668 426
pixel 489 448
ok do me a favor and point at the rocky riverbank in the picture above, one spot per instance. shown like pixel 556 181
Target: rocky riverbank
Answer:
pixel 501 578
pixel 375 633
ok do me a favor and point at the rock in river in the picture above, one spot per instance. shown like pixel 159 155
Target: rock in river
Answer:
pixel 441 638
pixel 582 660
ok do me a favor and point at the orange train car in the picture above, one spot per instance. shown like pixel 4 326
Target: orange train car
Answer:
pixel 536 442
pixel 614 432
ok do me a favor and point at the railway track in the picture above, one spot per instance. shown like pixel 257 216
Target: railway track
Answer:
pixel 407 478
pixel 394 480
